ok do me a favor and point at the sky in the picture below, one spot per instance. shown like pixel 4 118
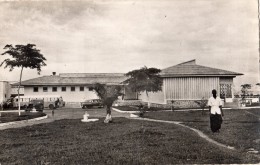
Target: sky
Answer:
pixel 117 36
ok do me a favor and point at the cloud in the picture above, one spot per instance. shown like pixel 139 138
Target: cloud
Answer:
pixel 118 36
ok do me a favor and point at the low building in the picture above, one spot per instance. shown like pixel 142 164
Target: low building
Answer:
pixel 73 87
pixel 186 83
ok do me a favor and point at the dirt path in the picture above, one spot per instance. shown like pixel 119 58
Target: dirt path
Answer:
pixel 201 134
pixel 253 114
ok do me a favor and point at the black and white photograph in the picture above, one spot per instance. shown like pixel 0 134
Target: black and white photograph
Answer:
pixel 129 82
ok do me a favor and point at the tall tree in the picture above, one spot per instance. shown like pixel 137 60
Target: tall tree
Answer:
pixel 144 80
pixel 108 94
pixel 244 90
pixel 23 56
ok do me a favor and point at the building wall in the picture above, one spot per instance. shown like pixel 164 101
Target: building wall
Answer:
pixel 226 80
pixel 183 89
pixel 14 90
pixel 190 88
pixel 68 95
pixel 154 97
pixel 129 94
pixel 5 88
pixel 1 91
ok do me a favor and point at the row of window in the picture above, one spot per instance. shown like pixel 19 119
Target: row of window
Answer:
pixel 63 89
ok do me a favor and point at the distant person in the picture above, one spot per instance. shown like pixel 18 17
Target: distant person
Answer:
pixel 52 112
pixel 57 102
pixel 216 112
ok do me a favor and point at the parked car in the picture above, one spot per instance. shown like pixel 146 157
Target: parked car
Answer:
pixel 37 104
pixel 92 103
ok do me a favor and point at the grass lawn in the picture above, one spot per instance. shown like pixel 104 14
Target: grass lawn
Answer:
pixel 124 141
pixel 239 129
pixel 14 116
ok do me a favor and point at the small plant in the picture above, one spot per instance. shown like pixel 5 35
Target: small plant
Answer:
pixel 172 107
pixel 202 103
pixel 141 109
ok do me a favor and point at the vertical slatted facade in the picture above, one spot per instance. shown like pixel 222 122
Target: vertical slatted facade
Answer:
pixel 190 88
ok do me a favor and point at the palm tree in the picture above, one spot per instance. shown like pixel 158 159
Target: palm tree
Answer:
pixel 23 56
pixel 144 80
pixel 108 94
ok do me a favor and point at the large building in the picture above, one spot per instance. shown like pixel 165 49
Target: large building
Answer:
pixel 183 83
pixel 73 87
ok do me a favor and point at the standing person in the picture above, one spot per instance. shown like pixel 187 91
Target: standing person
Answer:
pixel 216 112
pixel 57 103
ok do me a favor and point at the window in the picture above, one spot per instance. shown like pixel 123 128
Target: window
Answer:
pixel 45 89
pixel 81 88
pixel 72 89
pixel 225 91
pixel 63 89
pixel 54 89
pixel 35 89
pixel 90 88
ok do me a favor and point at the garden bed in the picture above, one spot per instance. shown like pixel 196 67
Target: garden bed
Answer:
pixel 14 116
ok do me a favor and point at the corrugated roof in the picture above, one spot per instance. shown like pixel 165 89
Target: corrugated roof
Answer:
pixel 91 74
pixel 77 79
pixel 190 68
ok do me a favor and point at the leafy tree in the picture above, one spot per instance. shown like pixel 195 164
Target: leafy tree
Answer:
pixel 23 56
pixel 144 80
pixel 244 90
pixel 108 94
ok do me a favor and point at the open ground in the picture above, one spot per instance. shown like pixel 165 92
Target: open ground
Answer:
pixel 64 139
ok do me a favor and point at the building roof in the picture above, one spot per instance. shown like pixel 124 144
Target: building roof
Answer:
pixel 76 79
pixel 190 68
